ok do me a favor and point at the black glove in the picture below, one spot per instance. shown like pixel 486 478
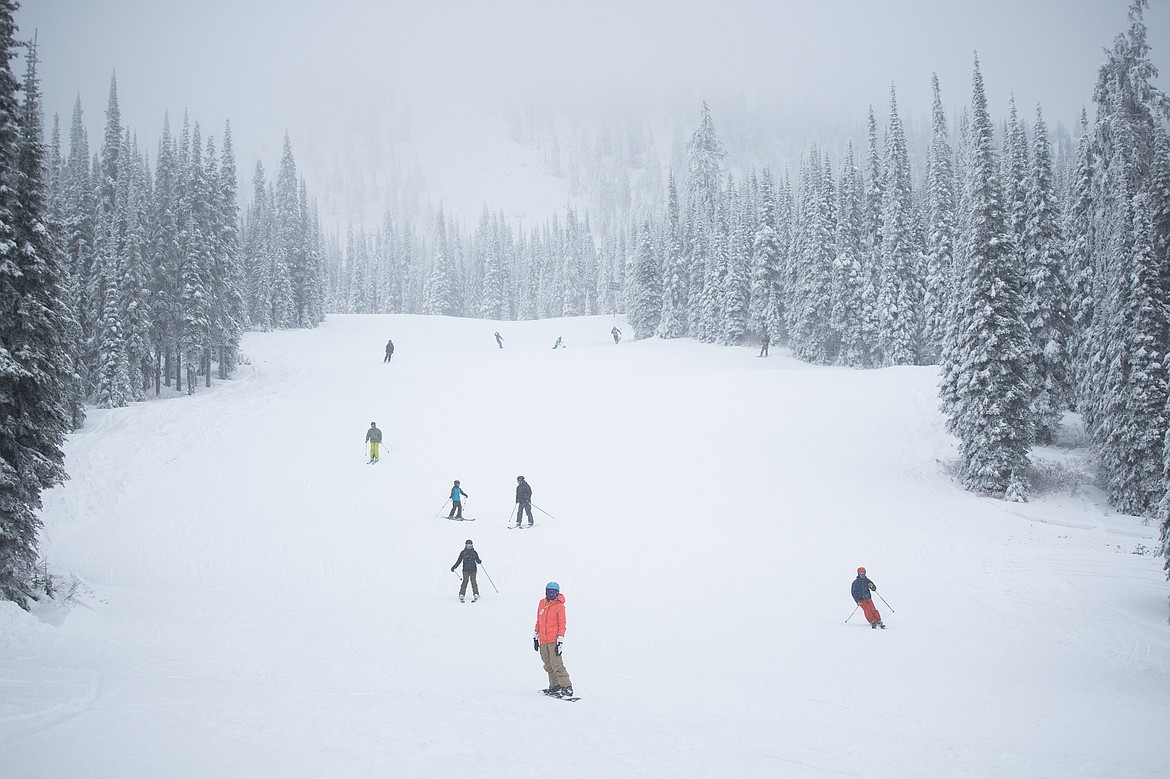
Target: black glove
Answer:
pixel 536 644
pixel 452 569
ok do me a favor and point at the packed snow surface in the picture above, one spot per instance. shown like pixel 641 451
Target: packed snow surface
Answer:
pixel 257 601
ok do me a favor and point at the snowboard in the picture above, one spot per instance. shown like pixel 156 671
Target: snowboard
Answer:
pixel 559 698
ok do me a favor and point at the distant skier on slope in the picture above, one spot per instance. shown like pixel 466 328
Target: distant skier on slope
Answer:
pixel 764 343
pixel 548 638
pixel 617 334
pixel 374 439
pixel 559 343
pixel 523 500
pixel 470 558
pixel 499 340
pixel 861 588
pixel 389 351
pixel 457 494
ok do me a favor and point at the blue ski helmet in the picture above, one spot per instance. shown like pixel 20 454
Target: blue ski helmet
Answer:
pixel 553 586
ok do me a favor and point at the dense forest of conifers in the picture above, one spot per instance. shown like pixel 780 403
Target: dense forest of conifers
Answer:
pixel 1039 285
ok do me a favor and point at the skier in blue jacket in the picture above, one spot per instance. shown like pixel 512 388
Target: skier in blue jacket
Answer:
pixel 457 494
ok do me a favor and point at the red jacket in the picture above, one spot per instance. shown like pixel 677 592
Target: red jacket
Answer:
pixel 550 619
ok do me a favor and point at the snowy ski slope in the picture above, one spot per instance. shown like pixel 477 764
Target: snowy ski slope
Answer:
pixel 259 602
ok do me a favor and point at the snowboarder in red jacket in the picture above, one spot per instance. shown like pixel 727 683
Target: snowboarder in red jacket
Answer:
pixel 548 638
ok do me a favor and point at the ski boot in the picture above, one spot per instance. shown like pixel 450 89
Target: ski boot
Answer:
pixel 461 599
pixel 881 625
pixel 554 691
pixel 566 692
pixel 872 624
pixel 475 597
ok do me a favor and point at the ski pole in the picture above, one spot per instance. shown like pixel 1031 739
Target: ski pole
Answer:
pixel 888 606
pixel 497 589
pixel 439 513
pixel 550 516
pixel 855 608
pixel 510 513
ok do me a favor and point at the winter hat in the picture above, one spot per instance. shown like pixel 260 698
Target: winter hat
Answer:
pixel 456 481
pixel 861 570
pixel 467 542
pixel 553 586
pixel 373 424
pixel 519 478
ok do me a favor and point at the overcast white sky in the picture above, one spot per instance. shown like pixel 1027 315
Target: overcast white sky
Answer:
pixel 288 63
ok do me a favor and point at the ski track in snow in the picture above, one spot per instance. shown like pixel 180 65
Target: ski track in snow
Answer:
pixel 258 601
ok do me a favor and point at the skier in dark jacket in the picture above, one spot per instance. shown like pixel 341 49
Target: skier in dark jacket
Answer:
pixel 523 500
pixel 457 494
pixel 861 589
pixel 374 439
pixel 389 351
pixel 470 558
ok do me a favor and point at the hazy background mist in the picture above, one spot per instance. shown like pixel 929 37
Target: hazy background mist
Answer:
pixel 331 73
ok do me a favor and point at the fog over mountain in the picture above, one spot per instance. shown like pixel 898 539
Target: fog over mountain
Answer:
pixel 352 82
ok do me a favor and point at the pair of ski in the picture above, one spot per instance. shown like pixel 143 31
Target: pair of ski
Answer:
pixel 518 527
pixel 460 519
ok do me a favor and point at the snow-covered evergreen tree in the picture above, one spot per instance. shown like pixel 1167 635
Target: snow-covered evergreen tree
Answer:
pixel 986 359
pixel 645 291
pixel 34 357
pixel 767 268
pixel 673 318
pixel 809 303
pixel 939 260
pixel 1127 339
pixel 853 307
pixel 437 296
pixel 1047 293
pixel 737 280
pixel 900 293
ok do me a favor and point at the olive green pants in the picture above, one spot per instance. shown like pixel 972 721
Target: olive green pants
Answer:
pixel 469 575
pixel 557 675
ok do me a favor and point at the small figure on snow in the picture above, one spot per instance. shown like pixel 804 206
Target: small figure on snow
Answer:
pixel 470 558
pixel 389 351
pixel 617 334
pixel 523 500
pixel 764 342
pixel 548 638
pixel 457 494
pixel 374 439
pixel 559 343
pixel 499 340
pixel 861 589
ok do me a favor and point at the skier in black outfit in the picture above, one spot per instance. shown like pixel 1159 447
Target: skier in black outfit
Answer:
pixel 389 351
pixel 523 500
pixel 470 558
pixel 499 339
